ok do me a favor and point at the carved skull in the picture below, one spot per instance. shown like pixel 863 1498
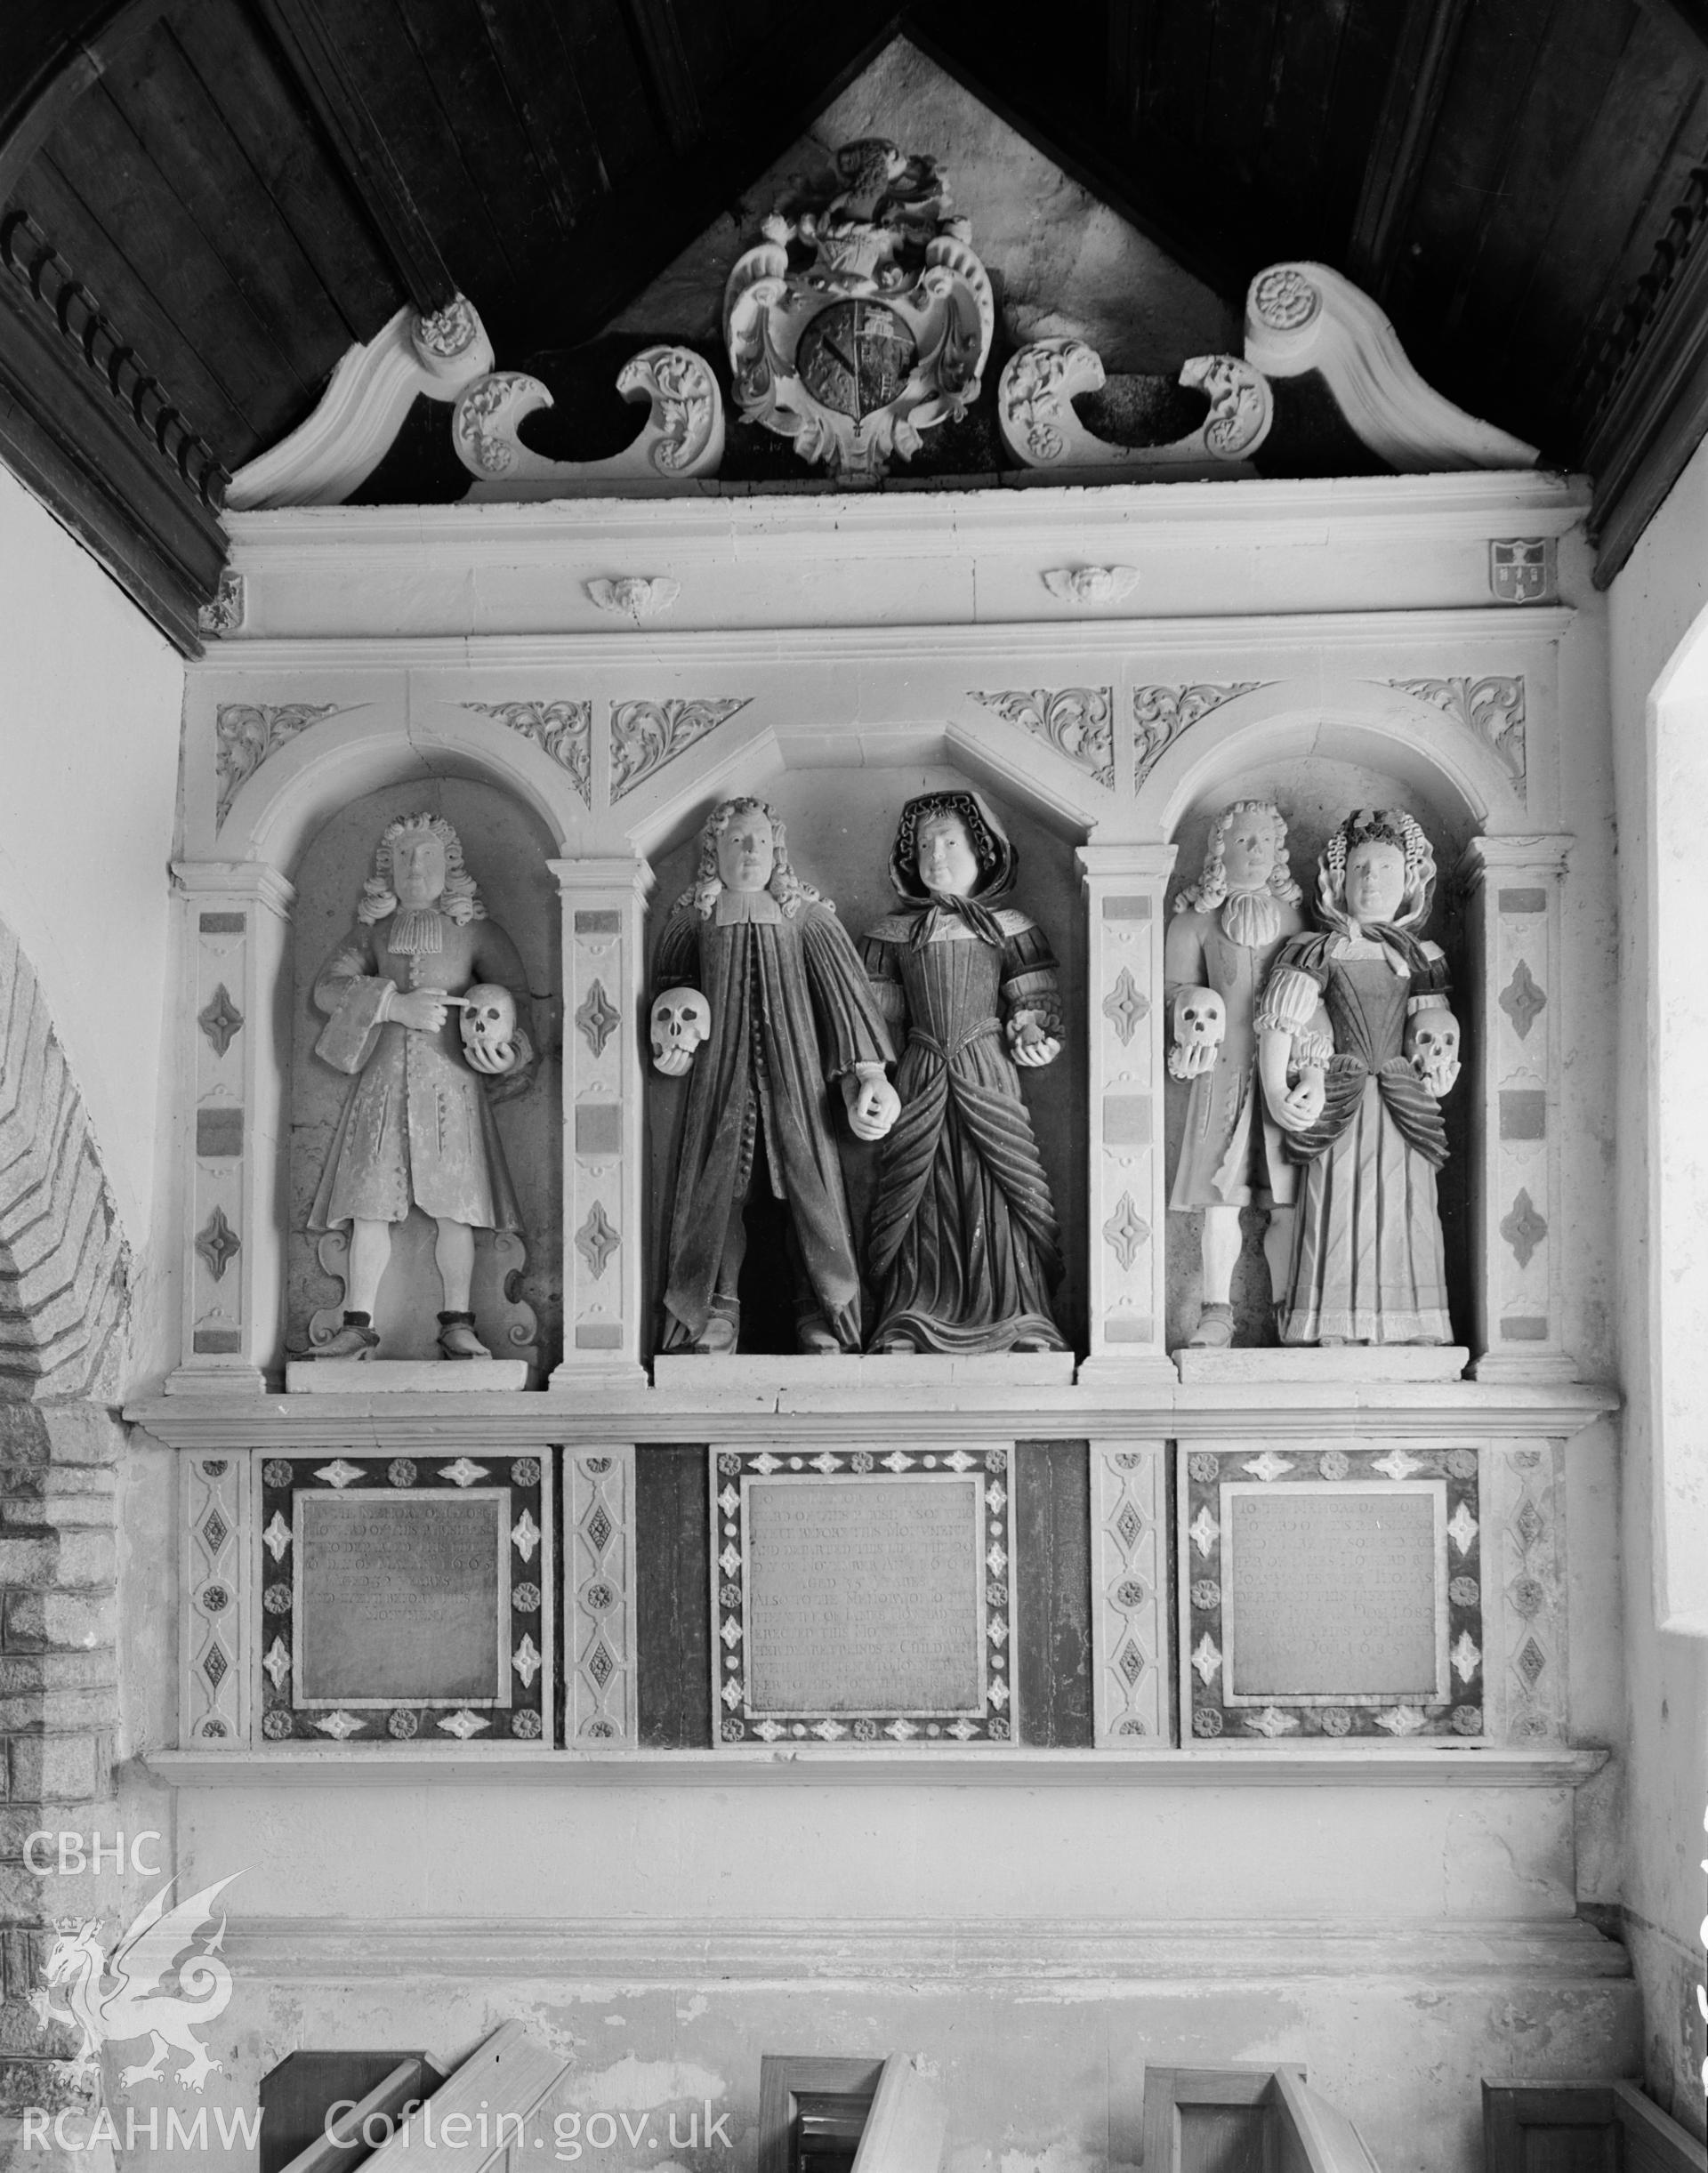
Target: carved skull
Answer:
pixel 489 1017
pixel 1200 1017
pixel 682 1019
pixel 1435 1044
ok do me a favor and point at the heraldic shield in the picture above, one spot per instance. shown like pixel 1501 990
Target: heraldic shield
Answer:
pixel 862 319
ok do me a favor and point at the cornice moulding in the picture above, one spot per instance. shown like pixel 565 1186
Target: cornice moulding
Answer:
pixel 1385 632
pixel 1063 517
pixel 1437 1410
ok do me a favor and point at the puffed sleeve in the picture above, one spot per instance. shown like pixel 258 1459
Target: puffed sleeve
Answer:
pixel 850 1026
pixel 1292 1002
pixel 1031 990
pixel 676 962
pixel 355 1000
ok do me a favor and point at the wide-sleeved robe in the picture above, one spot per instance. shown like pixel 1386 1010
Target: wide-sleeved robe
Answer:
pixel 417 1127
pixel 791 1011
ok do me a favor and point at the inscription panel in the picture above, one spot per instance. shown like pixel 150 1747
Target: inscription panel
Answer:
pixel 405 1601
pixel 862 1598
pixel 401 1598
pixel 1331 1594
pixel 1334 1589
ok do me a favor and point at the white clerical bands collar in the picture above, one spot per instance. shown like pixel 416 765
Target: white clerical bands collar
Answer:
pixel 734 906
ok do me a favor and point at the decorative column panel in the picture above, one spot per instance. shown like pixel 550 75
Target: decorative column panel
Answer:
pixel 604 1140
pixel 1524 1573
pixel 215 1592
pixel 1130 1658
pixel 233 1034
pixel 1512 1025
pixel 598 1634
pixel 1127 1204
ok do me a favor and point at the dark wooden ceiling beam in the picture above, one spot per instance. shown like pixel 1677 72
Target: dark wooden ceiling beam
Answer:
pixel 659 38
pixel 51 53
pixel 98 439
pixel 627 238
pixel 1411 106
pixel 361 149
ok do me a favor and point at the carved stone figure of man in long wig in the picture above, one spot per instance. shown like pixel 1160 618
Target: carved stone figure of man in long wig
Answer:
pixel 417 1129
pixel 755 965
pixel 1227 929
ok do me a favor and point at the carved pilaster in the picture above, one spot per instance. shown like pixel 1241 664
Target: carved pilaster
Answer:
pixel 1130 1595
pixel 236 927
pixel 598 1598
pixel 604 963
pixel 216 1544
pixel 1127 1204
pixel 1524 1563
pixel 1513 888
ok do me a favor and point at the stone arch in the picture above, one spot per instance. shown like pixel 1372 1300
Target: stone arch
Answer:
pixel 1353 720
pixel 285 801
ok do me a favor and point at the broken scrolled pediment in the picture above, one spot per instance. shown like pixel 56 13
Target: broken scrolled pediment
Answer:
pixel 1303 317
pixel 878 325
pixel 1041 428
pixel 682 437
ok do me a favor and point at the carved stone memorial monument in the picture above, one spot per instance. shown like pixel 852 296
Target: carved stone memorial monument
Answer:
pixel 863 1599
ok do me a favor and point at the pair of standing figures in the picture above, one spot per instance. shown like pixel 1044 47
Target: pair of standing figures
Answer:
pixel 1317 1061
pixel 1325 1053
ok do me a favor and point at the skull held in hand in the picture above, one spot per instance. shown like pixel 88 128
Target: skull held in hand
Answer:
pixel 682 1019
pixel 1435 1049
pixel 488 1018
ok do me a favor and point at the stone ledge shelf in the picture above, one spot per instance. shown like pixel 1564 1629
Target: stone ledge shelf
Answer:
pixel 666 1951
pixel 1256 1765
pixel 793 1405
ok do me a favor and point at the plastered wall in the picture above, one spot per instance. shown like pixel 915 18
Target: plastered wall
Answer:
pixel 1655 603
pixel 88 732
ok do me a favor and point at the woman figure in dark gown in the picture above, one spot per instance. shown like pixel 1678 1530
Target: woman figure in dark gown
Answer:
pixel 964 1247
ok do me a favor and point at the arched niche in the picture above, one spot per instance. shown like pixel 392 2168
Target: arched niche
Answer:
pixel 1379 729
pixel 507 849
pixel 290 797
pixel 840 825
pixel 1317 768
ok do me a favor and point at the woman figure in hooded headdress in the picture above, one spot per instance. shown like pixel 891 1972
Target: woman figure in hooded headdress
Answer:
pixel 1356 1046
pixel 964 1247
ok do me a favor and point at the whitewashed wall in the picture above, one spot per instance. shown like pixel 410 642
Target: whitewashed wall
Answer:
pixel 89 729
pixel 1659 645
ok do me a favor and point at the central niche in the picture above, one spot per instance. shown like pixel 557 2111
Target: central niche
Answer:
pixel 840 825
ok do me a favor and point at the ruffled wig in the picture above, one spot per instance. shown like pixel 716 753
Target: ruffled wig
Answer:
pixel 460 900
pixel 785 886
pixel 1208 894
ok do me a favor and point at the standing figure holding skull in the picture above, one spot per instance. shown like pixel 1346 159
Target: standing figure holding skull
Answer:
pixel 756 974
pixel 1357 1044
pixel 418 1129
pixel 1227 930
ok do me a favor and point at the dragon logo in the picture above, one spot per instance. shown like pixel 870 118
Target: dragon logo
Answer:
pixel 127 1995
